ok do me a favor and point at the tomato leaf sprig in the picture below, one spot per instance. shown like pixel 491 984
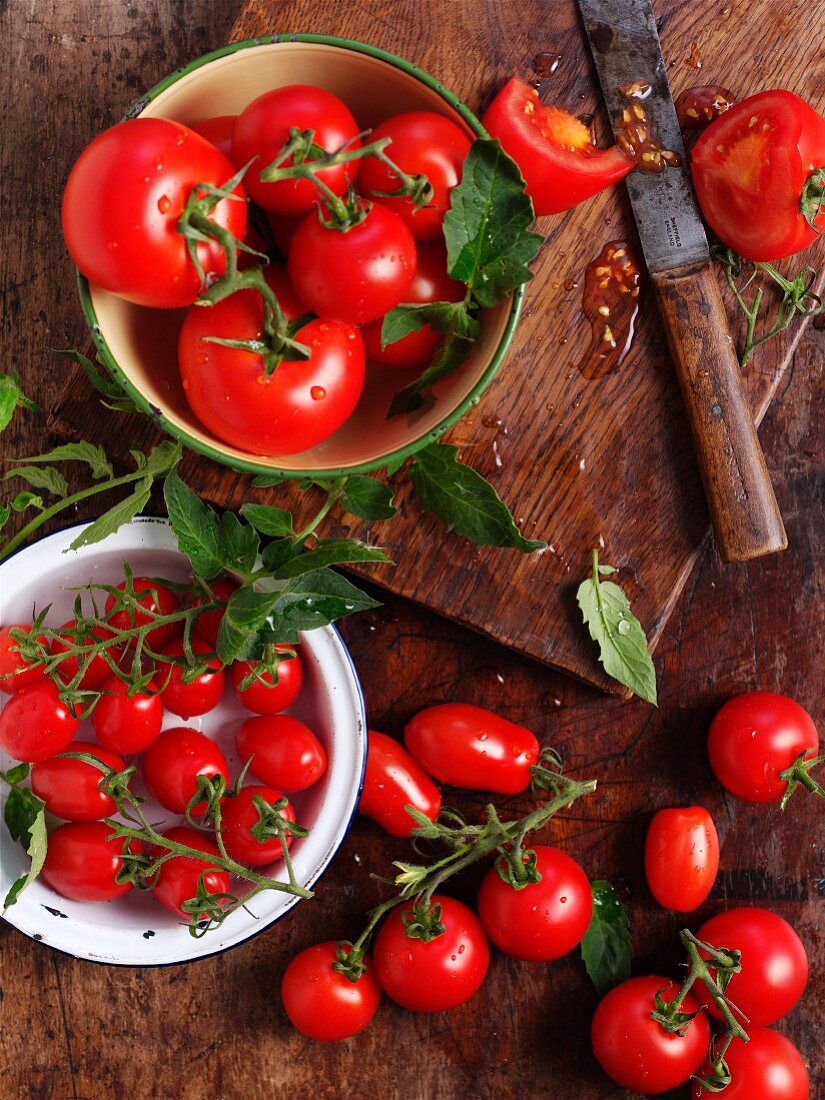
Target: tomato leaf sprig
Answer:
pixel 607 948
pixel 25 817
pixel 12 397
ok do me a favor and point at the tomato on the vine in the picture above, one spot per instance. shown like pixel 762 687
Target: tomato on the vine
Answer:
pixel 99 669
pixel 173 762
pixel 124 720
pixel 71 788
pixel 321 1002
pixel 285 753
pixel 188 697
pixel 35 723
pixel 239 815
pixel 154 598
pixel 177 880
pixel 14 671
pixel 681 857
pixel 218 132
pixel 83 861
pixel 208 623
pixel 392 781
pixel 767 1067
pixel 263 695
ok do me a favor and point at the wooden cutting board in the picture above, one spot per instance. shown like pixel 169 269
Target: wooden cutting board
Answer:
pixel 582 463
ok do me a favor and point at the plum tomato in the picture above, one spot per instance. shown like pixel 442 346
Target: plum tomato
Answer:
pixel 263 128
pixel 122 203
pixel 240 814
pixel 127 721
pixel 208 623
pixel 470 747
pixel 100 668
pixel 35 723
pixel 153 598
pixel 173 762
pixel 753 738
pixel 323 1003
pixel 393 781
pixel 284 752
pixel 767 1067
pixel 187 697
pixel 554 150
pixel 83 861
pixel 681 857
pixel 71 788
pixel 423 143
pixel 177 880
pixel 774 962
pixel 634 1050
pixel 218 132
pixel 355 275
pixel 542 920
pixel 262 695
pixel 437 973
pixel 14 672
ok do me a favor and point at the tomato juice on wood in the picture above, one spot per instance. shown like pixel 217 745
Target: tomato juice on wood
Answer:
pixel 697 107
pixel 610 302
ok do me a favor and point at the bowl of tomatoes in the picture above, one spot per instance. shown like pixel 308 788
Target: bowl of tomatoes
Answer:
pixel 295 371
pixel 121 880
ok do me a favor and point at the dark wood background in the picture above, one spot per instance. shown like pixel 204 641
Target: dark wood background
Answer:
pixel 75 1030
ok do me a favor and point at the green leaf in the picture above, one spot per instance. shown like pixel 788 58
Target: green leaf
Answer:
pixel 331 552
pixel 161 459
pixel 246 612
pixel 5 513
pixel 448 358
pixel 464 500
pixel 314 600
pixel 41 477
pixel 268 520
pixel 11 397
pixel 123 512
pixel 197 527
pixel 241 541
pixel 26 500
pixel 622 643
pixel 451 318
pixel 607 947
pixel 22 807
pixel 36 850
pixel 277 552
pixel 488 246
pixel 368 498
pixel 94 457
pixel 113 396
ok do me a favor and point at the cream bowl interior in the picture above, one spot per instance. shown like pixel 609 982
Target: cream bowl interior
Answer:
pixel 139 345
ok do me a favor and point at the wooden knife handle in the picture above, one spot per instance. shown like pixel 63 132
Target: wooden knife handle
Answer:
pixel 746 518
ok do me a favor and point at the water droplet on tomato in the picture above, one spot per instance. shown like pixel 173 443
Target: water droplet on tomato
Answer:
pixel 461 949
pixel 164 204
pixel 484 737
pixel 408 959
pixel 562 900
pixel 203 357
pixel 317 393
pixel 316 343
pixel 159 166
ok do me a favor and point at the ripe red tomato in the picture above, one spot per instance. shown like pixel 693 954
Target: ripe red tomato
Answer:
pixel 753 738
pixel 121 206
pixel 285 753
pixel 173 762
pixel 177 880
pixel 127 723
pixel 560 164
pixel 468 746
pixel 767 1067
pixel 263 696
pixel 750 167
pixel 422 143
pixel 208 623
pixel 263 129
pixel 218 132
pixel 323 1004
pixel 71 788
pixel 99 669
pixel 35 723
pixel 357 275
pixel 430 284
pixel 774 963
pixel 198 696
pixel 634 1050
pixel 681 857
pixel 239 815
pixel 393 781
pixel 14 672
pixel 157 599
pixel 543 920
pixel 82 862
pixel 436 974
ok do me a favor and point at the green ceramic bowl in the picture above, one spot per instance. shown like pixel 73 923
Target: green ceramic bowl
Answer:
pixel 139 346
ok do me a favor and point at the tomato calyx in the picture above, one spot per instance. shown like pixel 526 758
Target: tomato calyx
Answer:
pixel 799 775
pixel 196 227
pixel 423 922
pixel 812 200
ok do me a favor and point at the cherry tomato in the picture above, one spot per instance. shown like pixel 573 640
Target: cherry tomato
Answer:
pixel 750 168
pixel 154 598
pixel 681 857
pixel 423 143
pixel 177 879
pixel 190 697
pixel 767 1067
pixel 774 963
pixel 323 1004
pixel 558 160
pixel 173 762
pixel 123 199
pixel 35 723
pixel 263 129
pixel 468 746
pixel 218 132
pixel 82 862
pixel 71 788
pixel 756 736
pixel 393 781
pixel 357 275
pixel 285 753
pixel 127 722
pixel 430 284
pixel 208 623
pixel 14 672
pixel 99 669
pixel 436 974
pixel 634 1050
pixel 262 695
pixel 543 920
pixel 240 815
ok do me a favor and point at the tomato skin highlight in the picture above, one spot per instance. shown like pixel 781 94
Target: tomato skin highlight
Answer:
pixel 285 753
pixel 14 672
pixel 767 1067
pixel 177 880
pixel 681 857
pixel 174 760
pixel 126 723
pixel 323 1004
pixel 264 697
pixel 753 738
pixel 393 780
pixel 467 746
pixel 81 863
pixel 634 1050
pixel 538 138
pixel 543 920
pixel 71 788
pixel 239 814
pixel 35 723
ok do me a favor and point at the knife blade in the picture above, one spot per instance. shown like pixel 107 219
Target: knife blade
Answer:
pixel 747 523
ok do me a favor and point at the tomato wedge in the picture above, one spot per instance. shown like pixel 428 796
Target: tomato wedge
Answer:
pixel 554 150
pixel 750 170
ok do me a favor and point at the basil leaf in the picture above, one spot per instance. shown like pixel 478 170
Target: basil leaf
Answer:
pixel 622 643
pixel 331 552
pixel 41 477
pixel 12 396
pixel 197 527
pixel 94 457
pixel 123 512
pixel 607 947
pixel 368 498
pixel 241 542
pixel 268 519
pixel 464 500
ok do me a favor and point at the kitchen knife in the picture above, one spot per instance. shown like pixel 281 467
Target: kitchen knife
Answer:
pixel 747 523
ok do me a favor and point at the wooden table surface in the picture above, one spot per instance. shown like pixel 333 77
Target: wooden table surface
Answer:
pixel 76 1030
